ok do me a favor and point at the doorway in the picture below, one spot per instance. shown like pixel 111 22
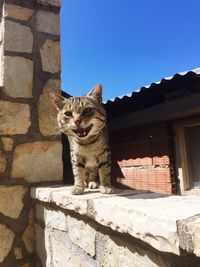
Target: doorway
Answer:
pixel 189 155
pixel 192 144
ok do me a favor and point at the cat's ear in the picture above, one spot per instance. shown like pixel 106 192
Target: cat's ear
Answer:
pixel 96 93
pixel 57 100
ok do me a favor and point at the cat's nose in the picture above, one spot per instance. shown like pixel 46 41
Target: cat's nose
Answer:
pixel 78 122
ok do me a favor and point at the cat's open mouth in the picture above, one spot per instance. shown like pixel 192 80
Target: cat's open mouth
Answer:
pixel 82 132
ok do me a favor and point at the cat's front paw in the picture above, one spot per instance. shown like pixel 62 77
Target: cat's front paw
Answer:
pixel 107 189
pixel 77 190
pixel 93 185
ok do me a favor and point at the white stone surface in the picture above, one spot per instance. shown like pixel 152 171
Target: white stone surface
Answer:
pixel 50 56
pixel 38 161
pixel 62 257
pixel 1 55
pixel 189 232
pixel 62 197
pixel 2 30
pixel 18 77
pixel 148 216
pixel 194 228
pixel 52 252
pixel 48 22
pixel 51 218
pixel 18 38
pixel 42 245
pixel 14 118
pixel 82 234
pixel 118 253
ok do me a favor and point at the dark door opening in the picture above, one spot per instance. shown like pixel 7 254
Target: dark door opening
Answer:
pixel 68 177
pixel 192 145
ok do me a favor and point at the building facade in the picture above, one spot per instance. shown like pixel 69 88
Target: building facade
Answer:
pixel 154 136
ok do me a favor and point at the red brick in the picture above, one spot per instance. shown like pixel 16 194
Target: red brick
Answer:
pixel 156 180
pixel 161 160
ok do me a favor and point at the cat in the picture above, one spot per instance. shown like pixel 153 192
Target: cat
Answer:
pixel 83 120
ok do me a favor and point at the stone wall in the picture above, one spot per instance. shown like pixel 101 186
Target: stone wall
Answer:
pixel 30 147
pixel 129 229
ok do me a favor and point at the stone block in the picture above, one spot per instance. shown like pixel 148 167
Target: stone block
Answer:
pixel 1 60
pixel 50 2
pixel 137 213
pixel 118 253
pixel 18 77
pixel 6 240
pixel 50 56
pixel 18 253
pixel 62 256
pixel 62 197
pixel 189 234
pixel 52 218
pixel 17 12
pixel 82 234
pixel 14 118
pixel 48 22
pixel 47 112
pixel 38 161
pixel 11 203
pixel 7 143
pixel 18 38
pixel 195 229
pixel 3 162
pixel 43 194
pixel 2 28
pixel 42 245
pixel 28 236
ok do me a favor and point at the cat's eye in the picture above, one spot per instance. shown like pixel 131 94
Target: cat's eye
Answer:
pixel 87 111
pixel 68 113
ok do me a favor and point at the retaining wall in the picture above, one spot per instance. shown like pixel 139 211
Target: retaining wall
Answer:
pixel 129 229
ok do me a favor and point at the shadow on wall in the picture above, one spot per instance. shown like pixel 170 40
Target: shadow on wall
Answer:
pixel 142 158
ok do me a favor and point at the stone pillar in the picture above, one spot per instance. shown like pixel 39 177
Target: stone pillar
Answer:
pixel 30 145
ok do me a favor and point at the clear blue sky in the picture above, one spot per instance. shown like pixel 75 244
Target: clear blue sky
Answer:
pixel 126 44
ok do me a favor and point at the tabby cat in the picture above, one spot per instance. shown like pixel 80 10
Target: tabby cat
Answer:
pixel 83 120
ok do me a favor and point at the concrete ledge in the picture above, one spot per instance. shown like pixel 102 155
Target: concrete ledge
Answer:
pixel 150 217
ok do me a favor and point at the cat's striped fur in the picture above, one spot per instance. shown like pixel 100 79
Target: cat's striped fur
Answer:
pixel 83 120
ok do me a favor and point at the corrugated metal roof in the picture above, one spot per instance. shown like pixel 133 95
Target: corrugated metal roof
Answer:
pixel 195 71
